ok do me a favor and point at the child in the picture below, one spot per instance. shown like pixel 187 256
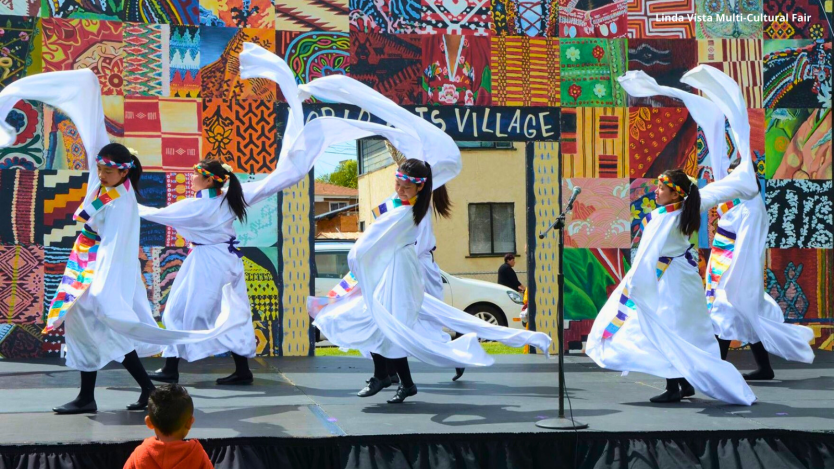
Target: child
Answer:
pixel 170 416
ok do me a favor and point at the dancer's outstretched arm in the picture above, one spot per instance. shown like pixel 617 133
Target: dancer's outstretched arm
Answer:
pixel 436 147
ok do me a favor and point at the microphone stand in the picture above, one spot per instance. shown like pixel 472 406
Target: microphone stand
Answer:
pixel 561 422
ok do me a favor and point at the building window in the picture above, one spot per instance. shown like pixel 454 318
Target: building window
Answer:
pixel 491 228
pixel 361 226
pixel 337 205
pixel 485 145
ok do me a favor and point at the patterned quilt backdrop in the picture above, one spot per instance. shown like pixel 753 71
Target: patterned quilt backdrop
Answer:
pixel 169 75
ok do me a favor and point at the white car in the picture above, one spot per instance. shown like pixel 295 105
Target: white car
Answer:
pixel 493 303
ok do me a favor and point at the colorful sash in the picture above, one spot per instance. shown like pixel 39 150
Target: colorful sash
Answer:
pixel 81 266
pixel 211 193
pixel 348 283
pixel 726 206
pixel 626 305
pixel 720 259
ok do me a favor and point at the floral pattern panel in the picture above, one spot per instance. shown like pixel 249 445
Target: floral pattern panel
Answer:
pixel 456 70
pixel 78 44
pixel 590 68
pixel 600 216
pixel 800 213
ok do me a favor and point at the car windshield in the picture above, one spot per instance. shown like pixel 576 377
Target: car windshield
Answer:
pixel 332 264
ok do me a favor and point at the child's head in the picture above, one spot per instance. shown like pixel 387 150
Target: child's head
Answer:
pixel 115 163
pixel 170 412
pixel 675 186
pixel 212 174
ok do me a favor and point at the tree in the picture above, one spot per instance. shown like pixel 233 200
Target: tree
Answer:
pixel 345 175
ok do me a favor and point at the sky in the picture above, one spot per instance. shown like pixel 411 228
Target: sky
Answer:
pixel 336 153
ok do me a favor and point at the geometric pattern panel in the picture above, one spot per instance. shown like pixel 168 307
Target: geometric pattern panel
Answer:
pixel 594 142
pixel 525 71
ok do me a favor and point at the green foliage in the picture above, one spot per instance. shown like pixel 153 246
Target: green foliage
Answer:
pixel 345 175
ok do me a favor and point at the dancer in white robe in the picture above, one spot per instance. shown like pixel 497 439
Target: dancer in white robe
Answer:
pixel 101 299
pixel 656 321
pixel 398 319
pixel 207 222
pixel 740 308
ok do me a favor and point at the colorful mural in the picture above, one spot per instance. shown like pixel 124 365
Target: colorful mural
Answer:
pixel 542 71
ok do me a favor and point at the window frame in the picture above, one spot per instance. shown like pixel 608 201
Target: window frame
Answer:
pixel 492 252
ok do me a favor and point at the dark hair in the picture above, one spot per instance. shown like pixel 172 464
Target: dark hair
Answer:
pixel 734 164
pixel 234 193
pixel 691 217
pixel 442 205
pixel 170 407
pixel 508 257
pixel 119 153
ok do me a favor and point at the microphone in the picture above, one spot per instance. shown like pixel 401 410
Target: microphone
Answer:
pixel 560 221
pixel 576 191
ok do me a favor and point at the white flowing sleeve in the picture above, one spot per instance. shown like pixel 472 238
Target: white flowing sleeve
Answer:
pixel 188 213
pixel 435 146
pixel 78 94
pixel 726 94
pixel 257 62
pixel 704 112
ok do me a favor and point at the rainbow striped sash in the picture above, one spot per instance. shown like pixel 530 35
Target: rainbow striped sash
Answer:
pixel 85 212
pixel 720 259
pixel 390 204
pixel 626 305
pixel 726 206
pixel 81 265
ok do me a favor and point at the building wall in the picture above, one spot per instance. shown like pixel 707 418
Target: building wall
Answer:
pixel 487 176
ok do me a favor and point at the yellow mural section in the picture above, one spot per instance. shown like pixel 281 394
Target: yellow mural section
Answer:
pixel 546 189
pixel 295 229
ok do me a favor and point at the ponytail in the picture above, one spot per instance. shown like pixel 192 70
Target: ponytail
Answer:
pixel 135 173
pixel 690 221
pixel 442 204
pixel 691 216
pixel 234 193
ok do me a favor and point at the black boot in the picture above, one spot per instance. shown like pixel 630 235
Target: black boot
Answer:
pixel 672 394
pixel 381 379
pixel 765 372
pixel 134 366
pixel 687 390
pixel 374 386
pixel 86 401
pixel 458 373
pixel 724 346
pixel 403 391
pixel 407 387
pixel 169 373
pixel 242 374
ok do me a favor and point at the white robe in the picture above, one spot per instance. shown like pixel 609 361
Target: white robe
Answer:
pixel 668 332
pixel 741 309
pixel 112 317
pixel 399 318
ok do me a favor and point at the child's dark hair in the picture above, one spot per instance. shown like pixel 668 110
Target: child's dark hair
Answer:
pixel 234 193
pixel 119 153
pixel 170 408
pixel 442 205
pixel 691 217
pixel 734 164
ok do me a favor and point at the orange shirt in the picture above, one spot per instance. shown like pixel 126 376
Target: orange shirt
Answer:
pixel 154 454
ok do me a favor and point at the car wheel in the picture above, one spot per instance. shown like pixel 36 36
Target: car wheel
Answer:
pixel 488 313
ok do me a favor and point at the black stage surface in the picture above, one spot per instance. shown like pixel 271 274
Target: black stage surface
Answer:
pixel 304 413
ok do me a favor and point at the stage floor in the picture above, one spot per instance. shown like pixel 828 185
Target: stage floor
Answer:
pixel 316 398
